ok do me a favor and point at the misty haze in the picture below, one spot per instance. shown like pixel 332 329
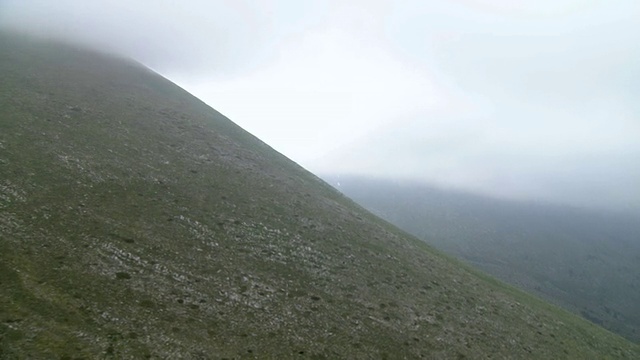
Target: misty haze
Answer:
pixel 527 101
pixel 278 178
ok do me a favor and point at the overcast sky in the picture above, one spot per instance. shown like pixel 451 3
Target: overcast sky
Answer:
pixel 516 98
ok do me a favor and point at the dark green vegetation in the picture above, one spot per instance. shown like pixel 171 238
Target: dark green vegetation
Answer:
pixel 135 221
pixel 588 262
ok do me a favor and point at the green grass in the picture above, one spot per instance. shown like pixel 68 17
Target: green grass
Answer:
pixel 137 222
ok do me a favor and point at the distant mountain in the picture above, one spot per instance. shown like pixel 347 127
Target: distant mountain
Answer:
pixel 585 261
pixel 137 222
pixel 436 149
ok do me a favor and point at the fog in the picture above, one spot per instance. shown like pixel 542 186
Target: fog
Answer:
pixel 517 99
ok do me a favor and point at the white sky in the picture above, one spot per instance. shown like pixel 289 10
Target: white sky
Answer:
pixel 526 99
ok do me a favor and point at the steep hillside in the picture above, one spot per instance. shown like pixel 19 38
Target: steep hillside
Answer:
pixel 586 261
pixel 135 221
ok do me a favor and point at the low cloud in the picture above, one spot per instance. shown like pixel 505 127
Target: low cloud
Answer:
pixel 195 37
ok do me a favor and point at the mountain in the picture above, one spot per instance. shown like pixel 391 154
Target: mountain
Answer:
pixel 584 260
pixel 138 222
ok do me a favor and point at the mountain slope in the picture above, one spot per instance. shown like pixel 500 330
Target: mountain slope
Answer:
pixel 586 261
pixel 135 221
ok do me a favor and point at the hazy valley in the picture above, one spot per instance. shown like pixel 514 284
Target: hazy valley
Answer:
pixel 587 261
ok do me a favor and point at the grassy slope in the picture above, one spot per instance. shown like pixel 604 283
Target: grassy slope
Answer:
pixel 587 262
pixel 135 221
